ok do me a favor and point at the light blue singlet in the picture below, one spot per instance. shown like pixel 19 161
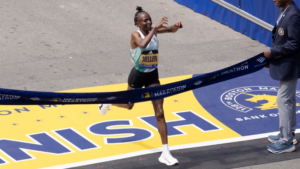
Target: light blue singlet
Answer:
pixel 146 59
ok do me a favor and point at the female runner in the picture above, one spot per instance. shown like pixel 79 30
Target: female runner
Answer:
pixel 144 55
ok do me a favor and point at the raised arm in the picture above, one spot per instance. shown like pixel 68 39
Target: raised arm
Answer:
pixel 139 42
pixel 166 29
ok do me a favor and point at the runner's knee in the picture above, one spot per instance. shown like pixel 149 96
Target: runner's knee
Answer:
pixel 130 106
pixel 159 114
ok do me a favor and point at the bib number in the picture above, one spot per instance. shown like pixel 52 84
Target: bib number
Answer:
pixel 149 61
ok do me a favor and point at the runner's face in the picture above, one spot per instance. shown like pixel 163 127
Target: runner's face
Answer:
pixel 280 3
pixel 144 21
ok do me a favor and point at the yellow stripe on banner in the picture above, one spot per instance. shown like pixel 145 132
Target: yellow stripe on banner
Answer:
pixel 19 122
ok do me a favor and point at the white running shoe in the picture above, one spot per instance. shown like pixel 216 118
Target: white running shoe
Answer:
pixel 103 108
pixel 167 159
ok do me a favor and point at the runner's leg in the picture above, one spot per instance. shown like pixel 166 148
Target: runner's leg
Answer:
pixel 126 106
pixel 166 156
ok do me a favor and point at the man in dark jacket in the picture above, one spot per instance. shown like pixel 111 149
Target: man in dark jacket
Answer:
pixel 285 67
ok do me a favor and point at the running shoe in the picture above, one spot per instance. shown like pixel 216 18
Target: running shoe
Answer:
pixel 275 138
pixel 167 159
pixel 103 108
pixel 281 147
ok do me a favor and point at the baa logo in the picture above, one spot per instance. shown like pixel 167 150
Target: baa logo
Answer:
pixel 246 99
pixel 261 59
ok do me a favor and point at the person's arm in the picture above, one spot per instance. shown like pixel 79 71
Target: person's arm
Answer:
pixel 144 42
pixel 174 28
pixel 293 42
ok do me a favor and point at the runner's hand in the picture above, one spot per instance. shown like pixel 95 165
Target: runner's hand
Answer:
pixel 178 25
pixel 163 21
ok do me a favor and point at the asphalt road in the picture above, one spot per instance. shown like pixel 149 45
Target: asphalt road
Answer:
pixel 60 44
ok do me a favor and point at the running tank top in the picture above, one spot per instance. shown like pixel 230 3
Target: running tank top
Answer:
pixel 146 59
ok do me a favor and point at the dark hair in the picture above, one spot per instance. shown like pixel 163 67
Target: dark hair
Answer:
pixel 139 10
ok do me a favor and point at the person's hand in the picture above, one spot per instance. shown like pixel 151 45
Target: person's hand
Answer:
pixel 178 25
pixel 163 21
pixel 267 54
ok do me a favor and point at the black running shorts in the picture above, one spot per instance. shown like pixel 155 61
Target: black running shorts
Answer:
pixel 139 79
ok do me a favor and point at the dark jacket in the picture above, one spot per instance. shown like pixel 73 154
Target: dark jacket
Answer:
pixel 285 62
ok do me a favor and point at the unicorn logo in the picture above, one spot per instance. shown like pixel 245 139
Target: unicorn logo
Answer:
pixel 271 101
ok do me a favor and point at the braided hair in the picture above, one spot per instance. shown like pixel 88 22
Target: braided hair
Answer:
pixel 139 10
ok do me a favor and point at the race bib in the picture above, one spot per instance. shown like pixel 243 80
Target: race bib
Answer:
pixel 149 59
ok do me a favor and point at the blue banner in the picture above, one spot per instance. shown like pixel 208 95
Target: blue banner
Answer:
pixel 21 97
pixel 227 17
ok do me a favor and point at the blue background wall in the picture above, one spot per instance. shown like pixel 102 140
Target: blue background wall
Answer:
pixel 236 3
pixel 262 9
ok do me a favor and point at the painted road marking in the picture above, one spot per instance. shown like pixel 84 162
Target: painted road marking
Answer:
pixel 82 136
